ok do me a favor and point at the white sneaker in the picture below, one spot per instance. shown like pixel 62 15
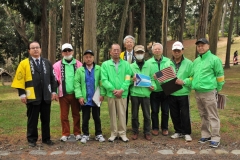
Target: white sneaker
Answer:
pixel 78 137
pixel 84 139
pixel 176 135
pixel 124 138
pixel 188 138
pixel 64 138
pixel 100 138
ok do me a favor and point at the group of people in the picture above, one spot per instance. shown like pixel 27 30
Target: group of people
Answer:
pixel 74 84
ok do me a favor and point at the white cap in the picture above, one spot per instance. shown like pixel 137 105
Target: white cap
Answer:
pixel 177 45
pixel 67 45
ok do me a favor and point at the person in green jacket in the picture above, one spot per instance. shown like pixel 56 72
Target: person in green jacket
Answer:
pixel 208 79
pixel 115 77
pixel 141 95
pixel 179 100
pixel 158 97
pixel 86 81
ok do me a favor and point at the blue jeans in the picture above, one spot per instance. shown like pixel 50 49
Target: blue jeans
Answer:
pixel 157 98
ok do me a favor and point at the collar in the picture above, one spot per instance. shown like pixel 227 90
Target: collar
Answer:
pixel 85 66
pixel 36 58
pixel 180 61
pixel 206 54
pixel 65 62
pixel 159 59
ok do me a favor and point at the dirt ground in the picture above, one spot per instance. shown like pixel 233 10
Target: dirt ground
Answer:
pixel 95 150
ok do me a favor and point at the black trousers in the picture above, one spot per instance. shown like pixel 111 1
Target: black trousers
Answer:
pixel 128 98
pixel 158 99
pixel 180 114
pixel 86 110
pixel 145 104
pixel 33 112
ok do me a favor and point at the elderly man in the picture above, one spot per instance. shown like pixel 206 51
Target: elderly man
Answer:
pixel 208 79
pixel 65 70
pixel 158 97
pixel 128 55
pixel 115 77
pixel 179 100
pixel 37 87
pixel 141 95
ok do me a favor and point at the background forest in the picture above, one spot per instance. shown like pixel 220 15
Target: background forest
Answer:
pixel 96 24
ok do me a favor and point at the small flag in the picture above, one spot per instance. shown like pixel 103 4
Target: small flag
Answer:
pixel 142 81
pixel 165 74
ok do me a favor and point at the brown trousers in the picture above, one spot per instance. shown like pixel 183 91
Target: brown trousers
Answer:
pixel 65 103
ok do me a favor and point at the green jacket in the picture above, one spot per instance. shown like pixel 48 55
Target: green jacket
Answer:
pixel 141 91
pixel 165 62
pixel 184 73
pixel 115 79
pixel 80 84
pixel 207 73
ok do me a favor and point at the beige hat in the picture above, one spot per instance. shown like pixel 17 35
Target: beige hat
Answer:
pixel 139 48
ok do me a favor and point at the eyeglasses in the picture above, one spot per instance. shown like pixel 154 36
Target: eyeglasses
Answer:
pixel 67 50
pixel 34 48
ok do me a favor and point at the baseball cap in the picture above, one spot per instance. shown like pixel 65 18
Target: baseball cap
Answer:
pixel 177 45
pixel 139 48
pixel 67 45
pixel 88 51
pixel 202 40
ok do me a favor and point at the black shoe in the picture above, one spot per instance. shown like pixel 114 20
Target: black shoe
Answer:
pixel 32 144
pixel 48 142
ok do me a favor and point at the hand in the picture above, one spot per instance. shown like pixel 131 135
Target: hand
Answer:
pixel 179 82
pixel 151 88
pixel 134 78
pixel 154 76
pixel 81 101
pixel 24 100
pixel 118 93
pixel 54 96
pixel 101 98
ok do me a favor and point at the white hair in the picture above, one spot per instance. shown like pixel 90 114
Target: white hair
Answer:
pixel 154 44
pixel 129 36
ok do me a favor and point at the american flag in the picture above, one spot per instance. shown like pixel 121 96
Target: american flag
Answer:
pixel 165 74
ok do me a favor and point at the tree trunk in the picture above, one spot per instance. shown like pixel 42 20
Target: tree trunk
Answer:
pixel 230 31
pixel 237 19
pixel 223 18
pixel 76 31
pixel 52 32
pixel 215 25
pixel 66 21
pixel 37 33
pixel 164 27
pixel 202 25
pixel 130 23
pixel 44 29
pixel 143 24
pixel 123 22
pixel 183 6
pixel 90 22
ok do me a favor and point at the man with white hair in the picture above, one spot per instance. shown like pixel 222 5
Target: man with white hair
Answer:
pixel 179 100
pixel 157 97
pixel 65 71
pixel 128 55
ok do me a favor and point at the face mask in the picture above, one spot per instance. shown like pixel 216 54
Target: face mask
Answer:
pixel 68 57
pixel 139 56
